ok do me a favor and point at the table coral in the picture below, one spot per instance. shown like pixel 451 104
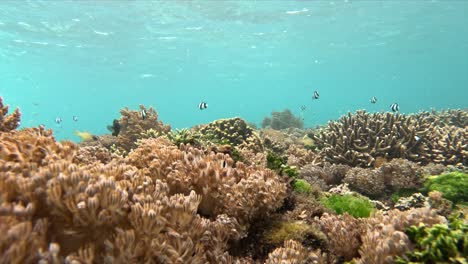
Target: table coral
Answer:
pixel 8 122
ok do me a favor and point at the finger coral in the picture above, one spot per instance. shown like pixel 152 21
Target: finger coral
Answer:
pixel 8 122
pixel 241 191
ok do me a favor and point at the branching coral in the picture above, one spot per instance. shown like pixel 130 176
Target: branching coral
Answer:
pixel 359 139
pixel 448 145
pixel 8 122
pixel 241 191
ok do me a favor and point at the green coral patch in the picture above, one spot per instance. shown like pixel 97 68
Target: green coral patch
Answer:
pixel 357 206
pixel 454 186
pixel 301 186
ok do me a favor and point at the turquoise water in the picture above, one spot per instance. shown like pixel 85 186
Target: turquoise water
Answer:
pixel 244 58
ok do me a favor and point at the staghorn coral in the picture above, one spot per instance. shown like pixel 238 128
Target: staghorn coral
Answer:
pixel 448 145
pixel 8 122
pixel 133 127
pixel 451 117
pixel 232 131
pixel 241 191
pixel 361 138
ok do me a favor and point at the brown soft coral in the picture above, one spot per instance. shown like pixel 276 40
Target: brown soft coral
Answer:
pixel 384 238
pixel 8 122
pixel 344 234
pixel 133 127
pixel 240 191
pixel 391 176
pixel 294 252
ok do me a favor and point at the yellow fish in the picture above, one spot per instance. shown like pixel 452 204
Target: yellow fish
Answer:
pixel 85 135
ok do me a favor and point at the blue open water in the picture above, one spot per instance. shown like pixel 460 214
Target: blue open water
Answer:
pixel 244 58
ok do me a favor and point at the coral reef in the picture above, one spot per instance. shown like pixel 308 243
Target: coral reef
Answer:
pixel 8 122
pixel 59 205
pixel 218 193
pixel 282 120
pixel 359 139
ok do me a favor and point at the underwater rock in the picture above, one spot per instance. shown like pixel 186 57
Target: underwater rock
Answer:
pixel 416 200
pixel 282 120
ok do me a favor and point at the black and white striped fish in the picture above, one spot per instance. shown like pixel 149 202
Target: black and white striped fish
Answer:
pixel 75 118
pixel 373 100
pixel 58 120
pixel 316 95
pixel 394 107
pixel 143 113
pixel 202 106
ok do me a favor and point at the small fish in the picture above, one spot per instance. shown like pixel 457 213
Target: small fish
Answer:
pixel 75 118
pixel 85 136
pixel 114 128
pixel 143 113
pixel 394 107
pixel 303 108
pixel 373 100
pixel 202 105
pixel 316 95
pixel 58 120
